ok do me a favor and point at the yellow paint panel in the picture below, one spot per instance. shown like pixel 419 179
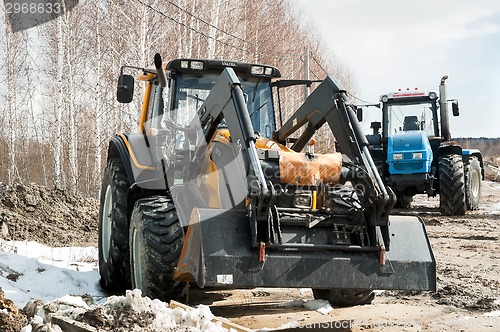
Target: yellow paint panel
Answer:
pixel 267 144
pixel 222 136
pixel 145 107
pixel 132 155
pixel 209 186
pixel 182 272
pixel 149 76
pixel 145 76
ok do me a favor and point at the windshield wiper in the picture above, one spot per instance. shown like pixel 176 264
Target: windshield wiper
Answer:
pixel 255 90
pixel 258 109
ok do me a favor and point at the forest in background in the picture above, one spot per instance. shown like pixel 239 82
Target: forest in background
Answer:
pixel 489 147
pixel 58 80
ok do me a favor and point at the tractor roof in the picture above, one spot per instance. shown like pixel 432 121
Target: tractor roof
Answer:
pixel 408 95
pixel 200 65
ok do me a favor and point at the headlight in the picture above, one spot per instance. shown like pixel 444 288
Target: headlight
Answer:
pixel 302 199
pixel 196 65
pixel 397 156
pixel 417 155
pixel 432 95
pixel 257 70
pixel 384 99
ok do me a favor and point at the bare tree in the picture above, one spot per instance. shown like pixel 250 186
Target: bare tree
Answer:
pixel 14 73
pixel 68 111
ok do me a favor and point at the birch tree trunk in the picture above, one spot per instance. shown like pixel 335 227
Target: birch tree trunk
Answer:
pixel 10 107
pixel 71 96
pixel 212 43
pixel 59 106
pixel 97 109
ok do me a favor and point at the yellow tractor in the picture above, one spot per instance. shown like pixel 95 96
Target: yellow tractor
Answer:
pixel 211 191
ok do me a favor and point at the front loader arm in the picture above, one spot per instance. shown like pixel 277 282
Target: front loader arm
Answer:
pixel 227 101
pixel 327 103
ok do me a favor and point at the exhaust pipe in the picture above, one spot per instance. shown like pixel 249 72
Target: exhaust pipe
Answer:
pixel 443 106
pixel 162 78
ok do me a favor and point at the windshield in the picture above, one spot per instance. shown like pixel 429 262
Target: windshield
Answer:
pixel 411 117
pixel 192 92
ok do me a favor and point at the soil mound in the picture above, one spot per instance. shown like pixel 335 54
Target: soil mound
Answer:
pixel 49 216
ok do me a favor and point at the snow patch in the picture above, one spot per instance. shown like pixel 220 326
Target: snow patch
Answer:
pixel 75 301
pixel 163 318
pixel 291 304
pixel 321 306
pixel 289 325
pixel 30 270
pixel 131 312
pixel 495 313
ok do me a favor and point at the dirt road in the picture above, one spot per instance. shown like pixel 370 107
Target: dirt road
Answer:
pixel 466 248
pixel 467 251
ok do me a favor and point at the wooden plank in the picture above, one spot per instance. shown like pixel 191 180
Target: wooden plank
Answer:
pixel 69 325
pixel 224 321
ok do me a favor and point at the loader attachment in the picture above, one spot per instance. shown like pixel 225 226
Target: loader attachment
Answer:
pixel 217 252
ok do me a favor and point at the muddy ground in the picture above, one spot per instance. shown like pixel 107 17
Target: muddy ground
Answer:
pixel 49 216
pixel 466 248
pixel 467 252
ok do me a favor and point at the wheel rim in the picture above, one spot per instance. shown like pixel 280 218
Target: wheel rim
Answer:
pixel 106 223
pixel 136 260
pixel 474 184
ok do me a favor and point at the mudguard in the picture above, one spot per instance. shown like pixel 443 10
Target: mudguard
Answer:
pixel 468 153
pixel 217 252
pixel 138 153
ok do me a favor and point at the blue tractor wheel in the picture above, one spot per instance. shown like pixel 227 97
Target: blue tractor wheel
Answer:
pixel 472 183
pixel 452 185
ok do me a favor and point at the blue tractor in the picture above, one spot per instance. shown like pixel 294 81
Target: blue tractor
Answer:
pixel 414 152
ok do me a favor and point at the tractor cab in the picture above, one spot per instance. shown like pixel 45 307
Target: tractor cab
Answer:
pixel 410 124
pixel 410 110
pixel 188 84
pixel 194 79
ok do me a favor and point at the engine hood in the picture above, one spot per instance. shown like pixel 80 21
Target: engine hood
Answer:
pixel 409 141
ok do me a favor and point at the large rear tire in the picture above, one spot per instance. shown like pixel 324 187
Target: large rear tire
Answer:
pixel 473 184
pixel 113 229
pixel 344 297
pixel 156 239
pixel 452 185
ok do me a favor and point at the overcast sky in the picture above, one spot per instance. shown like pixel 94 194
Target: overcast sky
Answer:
pixel 392 44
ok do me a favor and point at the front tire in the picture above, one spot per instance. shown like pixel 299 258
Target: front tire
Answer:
pixel 344 297
pixel 452 185
pixel 156 239
pixel 113 229
pixel 472 184
pixel 403 201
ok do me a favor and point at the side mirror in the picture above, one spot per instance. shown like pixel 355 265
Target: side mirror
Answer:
pixel 454 108
pixel 125 89
pixel 359 114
